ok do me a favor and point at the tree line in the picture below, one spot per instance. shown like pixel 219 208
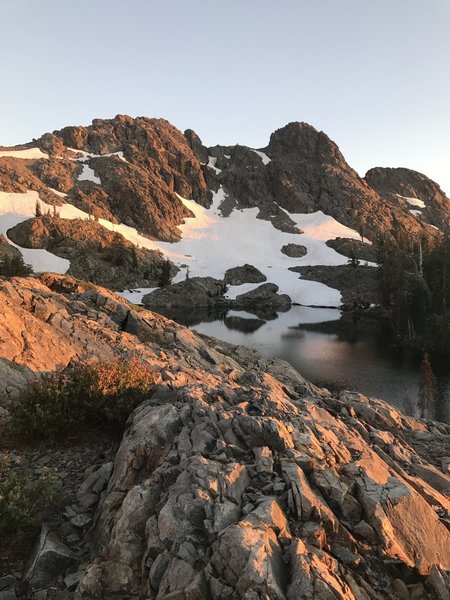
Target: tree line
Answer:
pixel 414 280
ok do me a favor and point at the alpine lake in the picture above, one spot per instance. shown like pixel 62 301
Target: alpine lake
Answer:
pixel 329 348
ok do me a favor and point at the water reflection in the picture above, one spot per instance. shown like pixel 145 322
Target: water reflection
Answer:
pixel 328 350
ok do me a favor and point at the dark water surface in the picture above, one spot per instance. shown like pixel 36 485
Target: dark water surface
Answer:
pixel 329 351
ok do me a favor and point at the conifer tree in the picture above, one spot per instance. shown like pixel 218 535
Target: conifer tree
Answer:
pixel 353 261
pixel 14 266
pixel 165 274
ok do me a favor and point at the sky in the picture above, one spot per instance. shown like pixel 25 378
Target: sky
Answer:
pixel 375 76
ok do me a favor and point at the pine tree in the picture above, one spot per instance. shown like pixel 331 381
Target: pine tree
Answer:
pixel 427 388
pixel 37 209
pixel 13 266
pixel 165 276
pixel 353 261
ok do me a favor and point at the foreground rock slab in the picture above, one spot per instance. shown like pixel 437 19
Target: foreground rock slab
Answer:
pixel 236 478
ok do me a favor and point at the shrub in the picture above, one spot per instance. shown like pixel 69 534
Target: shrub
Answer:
pixel 81 395
pixel 23 502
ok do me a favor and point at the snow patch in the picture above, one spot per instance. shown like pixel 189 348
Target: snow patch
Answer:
pixel 212 244
pixel 266 160
pixel 83 153
pixel 243 288
pixel 212 160
pixel 28 154
pixel 119 154
pixel 413 201
pixel 60 194
pixel 88 174
pixel 416 213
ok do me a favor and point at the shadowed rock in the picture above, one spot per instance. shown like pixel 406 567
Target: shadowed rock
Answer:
pixel 244 274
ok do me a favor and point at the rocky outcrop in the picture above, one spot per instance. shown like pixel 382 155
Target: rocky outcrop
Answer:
pixel 354 249
pixel 19 176
pixel 137 187
pixel 49 557
pixel 200 151
pixel 294 250
pixel 243 274
pixel 201 292
pixel 265 295
pixel 237 478
pixel 287 498
pixel 193 292
pixel 358 285
pixel 96 254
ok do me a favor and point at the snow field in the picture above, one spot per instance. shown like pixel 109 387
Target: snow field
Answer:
pixel 211 244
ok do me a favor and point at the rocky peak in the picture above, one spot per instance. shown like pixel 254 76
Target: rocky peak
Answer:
pixel 306 172
pixel 303 140
pixel 138 187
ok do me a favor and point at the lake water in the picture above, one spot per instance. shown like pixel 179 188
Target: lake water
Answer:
pixel 329 351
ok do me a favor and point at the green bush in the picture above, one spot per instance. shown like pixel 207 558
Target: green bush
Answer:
pixel 23 502
pixel 82 395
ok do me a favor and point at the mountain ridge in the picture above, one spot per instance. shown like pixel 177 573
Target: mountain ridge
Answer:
pixel 138 173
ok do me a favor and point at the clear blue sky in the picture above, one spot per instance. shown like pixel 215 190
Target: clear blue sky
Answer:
pixel 374 75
